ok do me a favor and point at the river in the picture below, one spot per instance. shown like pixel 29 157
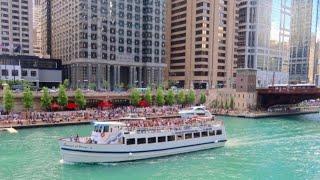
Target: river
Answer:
pixel 270 148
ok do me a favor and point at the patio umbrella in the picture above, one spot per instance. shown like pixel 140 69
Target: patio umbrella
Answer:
pixel 54 106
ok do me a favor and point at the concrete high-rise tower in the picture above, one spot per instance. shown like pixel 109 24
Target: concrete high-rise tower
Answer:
pixel 121 42
pixel 16 27
pixel 201 43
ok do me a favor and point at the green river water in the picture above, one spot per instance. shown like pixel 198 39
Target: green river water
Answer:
pixel 270 148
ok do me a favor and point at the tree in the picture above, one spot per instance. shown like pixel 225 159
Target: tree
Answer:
pixel 203 97
pixel 181 98
pixel 170 100
pixel 105 84
pixel 231 103
pixel 80 99
pixel 45 99
pixel 66 83
pixel 62 96
pixel 92 86
pixel 7 99
pixel 160 97
pixel 226 105
pixel 191 97
pixel 27 98
pixel 135 97
pixel 148 96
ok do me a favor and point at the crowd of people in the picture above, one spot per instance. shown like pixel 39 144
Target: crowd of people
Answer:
pixel 25 118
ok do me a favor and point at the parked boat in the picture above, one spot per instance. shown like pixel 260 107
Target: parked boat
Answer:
pixel 195 111
pixel 134 140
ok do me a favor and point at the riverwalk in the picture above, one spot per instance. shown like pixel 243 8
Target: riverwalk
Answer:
pixel 267 114
pixel 39 124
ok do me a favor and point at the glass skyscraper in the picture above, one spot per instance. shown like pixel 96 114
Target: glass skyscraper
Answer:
pixel 264 34
pixel 304 47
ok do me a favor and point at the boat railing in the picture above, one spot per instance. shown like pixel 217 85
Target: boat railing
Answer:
pixel 174 128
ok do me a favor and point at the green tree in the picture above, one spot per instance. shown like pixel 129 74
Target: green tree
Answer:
pixel 231 103
pixel 181 98
pixel 92 86
pixel 148 96
pixel 66 83
pixel 105 84
pixel 80 100
pixel 203 97
pixel 170 100
pixel 226 105
pixel 27 98
pixel 62 96
pixel 191 97
pixel 7 99
pixel 221 104
pixel 45 99
pixel 160 97
pixel 135 97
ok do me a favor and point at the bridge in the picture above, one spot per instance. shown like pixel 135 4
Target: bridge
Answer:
pixel 286 94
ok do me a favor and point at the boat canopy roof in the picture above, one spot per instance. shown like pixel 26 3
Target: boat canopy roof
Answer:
pixel 109 123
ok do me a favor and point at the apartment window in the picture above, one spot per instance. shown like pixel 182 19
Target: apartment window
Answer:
pixel 15 72
pixel 4 72
pixel 24 73
pixel 33 73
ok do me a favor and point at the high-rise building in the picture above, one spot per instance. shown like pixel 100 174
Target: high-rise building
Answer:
pixel 264 39
pixel 305 38
pixel 45 28
pixel 16 27
pixel 201 43
pixel 37 27
pixel 118 41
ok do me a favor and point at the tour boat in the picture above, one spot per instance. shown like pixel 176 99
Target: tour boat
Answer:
pixel 132 117
pixel 195 111
pixel 135 140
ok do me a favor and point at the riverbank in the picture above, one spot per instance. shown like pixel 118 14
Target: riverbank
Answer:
pixel 38 124
pixel 257 115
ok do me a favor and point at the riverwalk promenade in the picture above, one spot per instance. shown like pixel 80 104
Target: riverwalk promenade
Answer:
pixel 65 118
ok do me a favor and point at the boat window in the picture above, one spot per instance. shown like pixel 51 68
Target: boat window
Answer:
pixel 219 132
pixel 188 136
pixel 211 133
pixel 204 133
pixel 152 140
pixel 171 138
pixel 141 140
pixel 179 137
pixel 196 135
pixel 131 141
pixel 161 139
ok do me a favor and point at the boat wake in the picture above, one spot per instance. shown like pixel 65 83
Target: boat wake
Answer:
pixel 65 162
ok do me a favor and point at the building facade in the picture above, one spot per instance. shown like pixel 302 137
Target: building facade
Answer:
pixel 16 27
pixel 39 71
pixel 118 41
pixel 264 38
pixel 36 27
pixel 201 43
pixel 45 28
pixel 305 38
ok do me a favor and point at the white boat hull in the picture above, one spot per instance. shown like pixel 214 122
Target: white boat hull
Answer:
pixel 93 153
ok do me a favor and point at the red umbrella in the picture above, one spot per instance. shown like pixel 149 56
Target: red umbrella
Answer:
pixel 143 103
pixel 105 104
pixel 54 106
pixel 71 106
